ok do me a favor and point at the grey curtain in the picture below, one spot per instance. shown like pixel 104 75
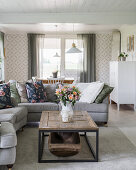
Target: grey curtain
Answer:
pixel 88 72
pixel 2 55
pixel 33 54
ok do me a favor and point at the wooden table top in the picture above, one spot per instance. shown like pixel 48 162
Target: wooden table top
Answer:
pixel 51 120
pixel 46 81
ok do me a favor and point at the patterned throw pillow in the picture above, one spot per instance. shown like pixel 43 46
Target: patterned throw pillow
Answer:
pixel 21 88
pixel 35 92
pixel 103 94
pixel 5 100
pixel 14 92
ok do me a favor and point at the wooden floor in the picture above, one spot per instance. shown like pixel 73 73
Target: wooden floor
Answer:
pixel 125 120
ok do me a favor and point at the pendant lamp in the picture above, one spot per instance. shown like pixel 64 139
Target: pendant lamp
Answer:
pixel 73 49
pixel 56 55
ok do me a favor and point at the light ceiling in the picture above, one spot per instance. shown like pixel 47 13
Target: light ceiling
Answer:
pixel 61 28
pixel 68 11
pixel 66 6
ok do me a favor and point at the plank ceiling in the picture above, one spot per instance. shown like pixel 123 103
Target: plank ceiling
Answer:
pixel 67 6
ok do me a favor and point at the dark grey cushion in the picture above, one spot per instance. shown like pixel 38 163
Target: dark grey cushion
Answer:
pixel 93 107
pixel 39 107
pixel 103 94
pixel 50 90
pixel 8 137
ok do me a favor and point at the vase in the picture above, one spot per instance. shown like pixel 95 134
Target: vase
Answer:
pixel 55 74
pixel 66 112
pixel 122 58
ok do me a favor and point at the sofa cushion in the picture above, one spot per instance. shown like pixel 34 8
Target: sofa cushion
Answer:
pixel 93 107
pixel 5 100
pixel 39 107
pixel 22 91
pixel 50 90
pixel 91 92
pixel 103 94
pixel 7 156
pixel 82 86
pixel 8 137
pixel 14 92
pixel 35 92
pixel 18 113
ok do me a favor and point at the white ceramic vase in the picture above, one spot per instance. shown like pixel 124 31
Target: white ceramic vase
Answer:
pixel 66 112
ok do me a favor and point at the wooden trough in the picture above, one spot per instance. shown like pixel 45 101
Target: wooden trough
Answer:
pixel 64 144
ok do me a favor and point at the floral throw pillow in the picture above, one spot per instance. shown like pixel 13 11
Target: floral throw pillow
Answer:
pixel 35 92
pixel 5 100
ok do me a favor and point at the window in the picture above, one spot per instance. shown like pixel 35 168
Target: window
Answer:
pixel 65 64
pixel 49 63
pixel 72 60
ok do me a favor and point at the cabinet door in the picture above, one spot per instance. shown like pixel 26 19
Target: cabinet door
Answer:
pixel 126 82
pixel 112 74
pixel 114 80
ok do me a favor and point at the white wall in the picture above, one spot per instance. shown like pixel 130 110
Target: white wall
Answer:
pixel 126 31
pixel 115 45
pixel 16 60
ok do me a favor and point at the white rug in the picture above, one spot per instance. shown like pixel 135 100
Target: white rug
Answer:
pixel 116 152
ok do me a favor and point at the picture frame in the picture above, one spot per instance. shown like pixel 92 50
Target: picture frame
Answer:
pixel 130 43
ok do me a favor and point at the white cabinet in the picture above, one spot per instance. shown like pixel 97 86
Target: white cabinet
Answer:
pixel 123 79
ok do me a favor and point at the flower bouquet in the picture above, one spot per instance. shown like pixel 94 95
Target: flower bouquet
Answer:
pixel 68 97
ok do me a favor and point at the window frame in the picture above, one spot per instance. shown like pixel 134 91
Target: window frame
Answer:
pixel 63 39
pixel 41 59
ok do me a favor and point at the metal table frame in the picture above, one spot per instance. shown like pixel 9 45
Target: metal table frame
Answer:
pixel 95 153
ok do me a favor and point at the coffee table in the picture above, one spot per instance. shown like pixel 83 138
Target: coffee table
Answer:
pixel 82 122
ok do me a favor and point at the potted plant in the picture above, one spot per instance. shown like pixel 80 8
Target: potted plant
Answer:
pixel 68 97
pixel 123 56
pixel 55 74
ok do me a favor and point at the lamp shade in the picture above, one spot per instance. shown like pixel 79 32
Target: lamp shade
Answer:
pixel 56 55
pixel 74 49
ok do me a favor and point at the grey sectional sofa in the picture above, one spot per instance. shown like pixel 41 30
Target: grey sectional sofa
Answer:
pixel 99 112
pixel 31 112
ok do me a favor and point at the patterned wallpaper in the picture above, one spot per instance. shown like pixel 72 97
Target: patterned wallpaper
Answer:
pixel 103 56
pixel 16 60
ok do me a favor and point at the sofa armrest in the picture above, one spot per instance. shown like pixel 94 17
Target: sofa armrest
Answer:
pixel 8 137
pixel 106 100
pixel 7 118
